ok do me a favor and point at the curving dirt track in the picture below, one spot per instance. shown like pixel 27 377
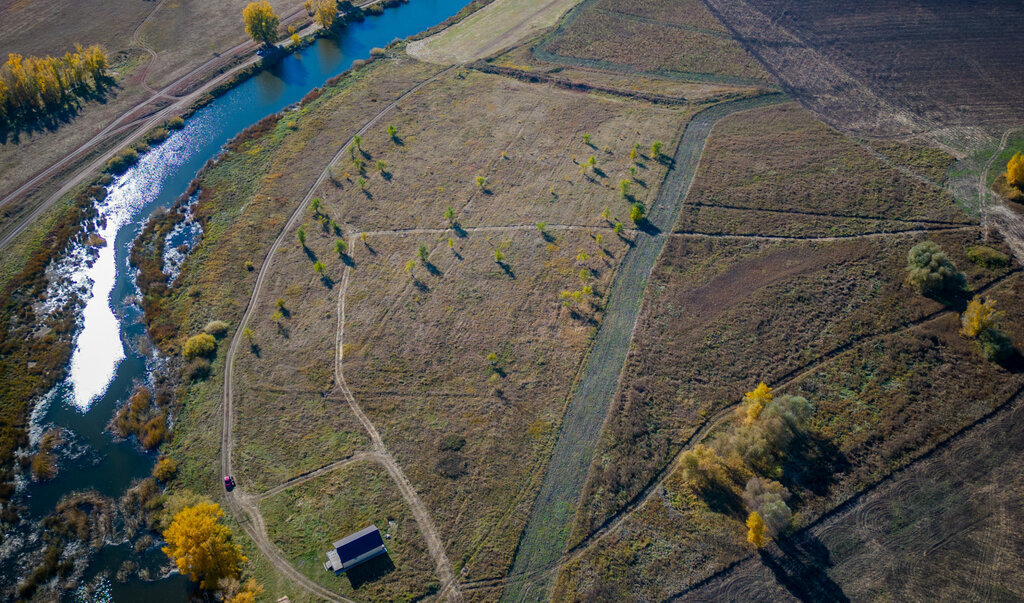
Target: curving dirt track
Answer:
pixel 243 505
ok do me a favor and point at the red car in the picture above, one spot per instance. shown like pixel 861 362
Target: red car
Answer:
pixel 229 483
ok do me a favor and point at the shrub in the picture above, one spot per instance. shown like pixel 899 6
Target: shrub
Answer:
pixel 202 344
pixel 124 159
pixel 153 432
pixel 157 135
pixel 44 466
pixel 769 497
pixel 453 442
pixel 636 213
pixel 931 272
pixel 175 123
pixel 217 328
pixel 1015 171
pixel 987 257
pixel 165 468
pixel 197 370
pixel 980 321
pixel 301 235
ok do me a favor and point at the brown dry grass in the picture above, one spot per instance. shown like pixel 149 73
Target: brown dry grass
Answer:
pixel 450 136
pixel 304 520
pixel 807 178
pixel 599 35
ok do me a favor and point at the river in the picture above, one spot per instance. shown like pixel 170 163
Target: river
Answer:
pixel 111 353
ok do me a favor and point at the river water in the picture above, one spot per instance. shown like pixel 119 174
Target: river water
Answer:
pixel 111 353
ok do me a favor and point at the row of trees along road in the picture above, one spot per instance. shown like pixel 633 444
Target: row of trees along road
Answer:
pixel 262 23
pixel 32 87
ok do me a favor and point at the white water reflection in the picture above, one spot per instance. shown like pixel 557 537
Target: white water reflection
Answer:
pixel 98 348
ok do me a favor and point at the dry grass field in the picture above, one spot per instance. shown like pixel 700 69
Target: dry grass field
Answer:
pixel 304 520
pixel 472 436
pixel 942 526
pixel 877 67
pixel 779 171
pixel 682 40
pixel 828 319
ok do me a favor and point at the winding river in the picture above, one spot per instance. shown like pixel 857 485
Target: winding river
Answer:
pixel 111 353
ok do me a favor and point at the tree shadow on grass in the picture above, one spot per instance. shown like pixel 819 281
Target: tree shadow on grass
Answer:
pixel 647 227
pixel 801 568
pixel 309 254
pixel 507 269
pixel 432 269
pixel 371 571
pixel 459 231
pixel 813 464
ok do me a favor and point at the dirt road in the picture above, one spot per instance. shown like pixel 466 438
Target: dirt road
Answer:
pixel 244 506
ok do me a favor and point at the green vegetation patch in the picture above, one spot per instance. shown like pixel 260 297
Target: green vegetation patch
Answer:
pixel 304 520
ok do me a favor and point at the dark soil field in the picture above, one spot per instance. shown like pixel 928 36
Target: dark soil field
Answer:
pixel 879 67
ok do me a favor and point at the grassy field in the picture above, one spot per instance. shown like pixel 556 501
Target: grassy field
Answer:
pixel 917 532
pixel 472 436
pixel 496 27
pixel 304 520
pixel 831 320
pixel 678 42
pixel 804 178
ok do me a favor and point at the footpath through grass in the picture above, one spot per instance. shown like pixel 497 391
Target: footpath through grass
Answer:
pixel 546 533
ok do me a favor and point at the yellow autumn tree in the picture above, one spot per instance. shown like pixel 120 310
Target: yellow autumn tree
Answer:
pixel 1015 170
pixel 201 547
pixel 754 403
pixel 325 12
pixel 979 317
pixel 755 529
pixel 261 22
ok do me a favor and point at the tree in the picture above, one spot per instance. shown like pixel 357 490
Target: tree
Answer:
pixel 165 468
pixel 768 498
pixel 586 139
pixel 499 257
pixel 381 166
pixel 361 182
pixel 363 237
pixel 325 12
pixel 423 253
pixel 301 234
pixel 202 344
pixel 340 247
pixel 755 529
pixel 541 226
pixel 633 152
pixel 319 267
pixel 481 182
pixel 492 359
pixel 393 132
pixel 1015 170
pixel 931 272
pixel 754 402
pixel 296 40
pixel 582 256
pixel 410 266
pixel 315 205
pixel 201 547
pixel 358 141
pixel 617 229
pixel 636 213
pixel 624 188
pixel 261 22
pixel 656 149
pixel 449 214
pixel 980 321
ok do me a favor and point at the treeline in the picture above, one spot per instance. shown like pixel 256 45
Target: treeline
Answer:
pixel 35 87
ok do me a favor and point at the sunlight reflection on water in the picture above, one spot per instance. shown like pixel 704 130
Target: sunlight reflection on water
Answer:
pixel 98 348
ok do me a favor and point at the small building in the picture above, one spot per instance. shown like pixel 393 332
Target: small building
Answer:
pixel 354 549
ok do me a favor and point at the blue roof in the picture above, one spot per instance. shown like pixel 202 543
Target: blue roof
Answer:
pixel 354 549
